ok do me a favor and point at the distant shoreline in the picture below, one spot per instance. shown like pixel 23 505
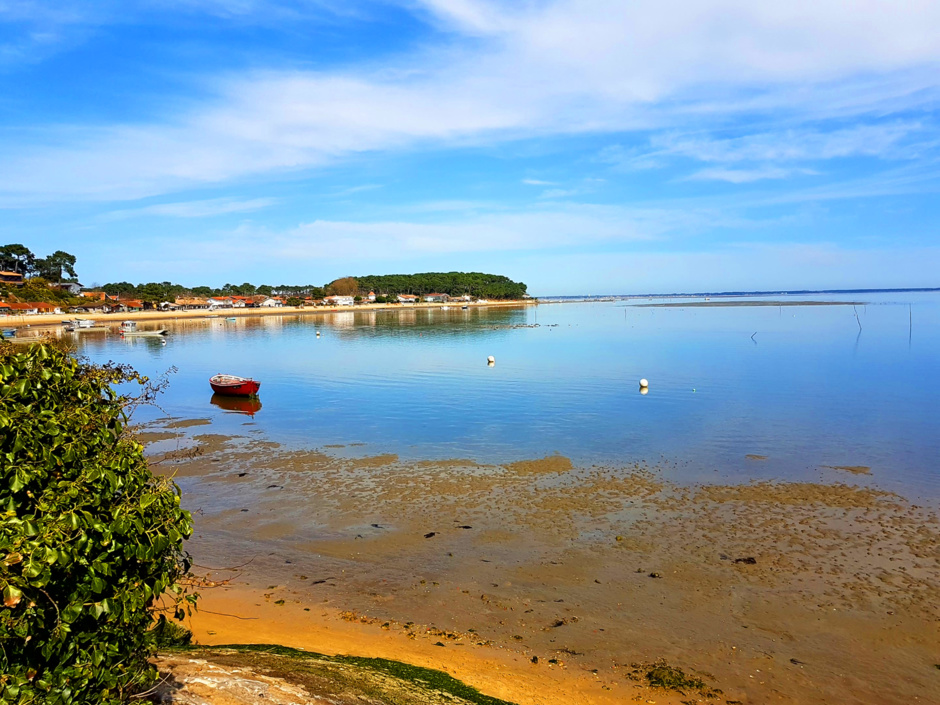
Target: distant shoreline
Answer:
pixel 44 320
pixel 732 294
pixel 731 304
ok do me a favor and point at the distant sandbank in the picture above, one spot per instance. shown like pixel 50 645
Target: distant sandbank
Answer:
pixel 709 304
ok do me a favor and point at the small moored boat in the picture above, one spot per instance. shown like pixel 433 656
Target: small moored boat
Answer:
pixel 233 386
pixel 129 328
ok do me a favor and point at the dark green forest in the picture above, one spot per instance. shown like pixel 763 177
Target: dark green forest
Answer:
pixel 477 284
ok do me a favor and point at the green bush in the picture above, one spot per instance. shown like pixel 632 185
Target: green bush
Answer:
pixel 91 543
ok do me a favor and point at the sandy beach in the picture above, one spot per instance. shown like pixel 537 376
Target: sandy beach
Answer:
pixel 114 319
pixel 543 582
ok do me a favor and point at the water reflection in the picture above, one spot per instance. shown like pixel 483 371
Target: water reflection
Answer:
pixel 413 382
pixel 238 405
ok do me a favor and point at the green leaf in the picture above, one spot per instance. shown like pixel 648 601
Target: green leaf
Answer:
pixel 12 596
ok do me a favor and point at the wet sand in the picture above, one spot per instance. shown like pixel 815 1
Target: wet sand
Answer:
pixel 770 592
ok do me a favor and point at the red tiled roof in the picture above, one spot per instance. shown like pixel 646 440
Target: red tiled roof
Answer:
pixel 38 305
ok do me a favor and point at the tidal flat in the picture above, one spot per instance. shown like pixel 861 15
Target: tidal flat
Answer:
pixel 545 581
pixel 762 520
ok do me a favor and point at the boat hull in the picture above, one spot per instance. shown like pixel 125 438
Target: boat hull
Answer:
pixel 235 387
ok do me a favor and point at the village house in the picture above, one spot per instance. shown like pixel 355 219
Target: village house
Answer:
pixel 436 298
pixel 74 288
pixel 370 297
pixel 97 296
pixel 191 302
pixel 33 308
pixel 4 309
pixel 92 306
pixel 272 302
pixel 219 302
pixel 13 278
pixel 407 299
pixel 128 305
pixel 340 300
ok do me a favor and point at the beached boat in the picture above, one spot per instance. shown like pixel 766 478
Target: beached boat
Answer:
pixel 129 328
pixel 8 333
pixel 233 386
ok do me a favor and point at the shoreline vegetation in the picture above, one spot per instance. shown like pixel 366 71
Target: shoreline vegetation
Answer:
pixel 243 674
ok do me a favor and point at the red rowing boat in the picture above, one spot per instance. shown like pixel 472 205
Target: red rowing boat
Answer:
pixel 233 386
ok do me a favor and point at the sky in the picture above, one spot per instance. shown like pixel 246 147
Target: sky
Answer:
pixel 579 146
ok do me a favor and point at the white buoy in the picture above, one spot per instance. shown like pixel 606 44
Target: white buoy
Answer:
pixel 644 384
pixel 491 359
pixel 318 334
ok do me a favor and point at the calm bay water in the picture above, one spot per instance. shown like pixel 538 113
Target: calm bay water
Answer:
pixel 810 389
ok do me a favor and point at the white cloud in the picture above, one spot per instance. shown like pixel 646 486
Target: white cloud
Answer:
pixel 874 140
pixel 744 176
pixel 534 69
pixel 354 189
pixel 464 233
pixel 538 182
pixel 193 209
pixel 558 193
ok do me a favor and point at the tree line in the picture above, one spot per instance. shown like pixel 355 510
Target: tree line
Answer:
pixel 476 284
pixel 54 268
pixel 59 267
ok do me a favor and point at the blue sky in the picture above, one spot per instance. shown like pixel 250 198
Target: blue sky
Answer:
pixel 582 147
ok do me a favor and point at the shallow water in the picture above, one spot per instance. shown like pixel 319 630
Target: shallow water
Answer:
pixel 806 387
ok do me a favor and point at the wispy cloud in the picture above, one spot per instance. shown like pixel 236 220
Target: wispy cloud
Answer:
pixel 538 182
pixel 885 140
pixel 193 209
pixel 354 189
pixel 744 176
pixel 558 193
pixel 507 72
